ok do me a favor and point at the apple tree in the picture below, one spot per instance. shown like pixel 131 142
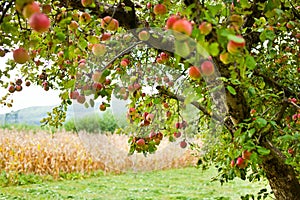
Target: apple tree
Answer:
pixel 227 71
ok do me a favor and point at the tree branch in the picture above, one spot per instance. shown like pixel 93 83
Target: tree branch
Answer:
pixel 287 91
pixel 228 123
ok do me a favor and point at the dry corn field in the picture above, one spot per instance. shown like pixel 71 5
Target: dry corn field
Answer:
pixel 45 154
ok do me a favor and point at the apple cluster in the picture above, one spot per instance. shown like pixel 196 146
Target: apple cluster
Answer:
pixel 146 144
pixel 17 85
pixel 242 161
pixel 97 87
pixel 31 10
pixel 162 58
pixel 206 69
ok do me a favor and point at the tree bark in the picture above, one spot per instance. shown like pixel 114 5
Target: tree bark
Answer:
pixel 282 177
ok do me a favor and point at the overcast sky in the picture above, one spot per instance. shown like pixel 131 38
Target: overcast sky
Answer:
pixel 29 96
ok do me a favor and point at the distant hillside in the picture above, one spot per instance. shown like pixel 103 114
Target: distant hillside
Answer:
pixel 33 115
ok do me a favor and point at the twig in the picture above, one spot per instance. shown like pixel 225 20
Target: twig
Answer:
pixel 5 10
pixel 294 104
pixel 122 53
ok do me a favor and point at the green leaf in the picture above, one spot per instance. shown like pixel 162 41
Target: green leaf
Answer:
pixel 235 38
pixel 82 44
pixel 261 122
pixel 214 49
pixel 231 90
pixel 156 101
pixel 61 36
pixel 272 4
pixel 69 84
pixel 214 9
pixel 251 132
pixel 245 4
pixel 267 35
pixel 250 62
pixel 262 151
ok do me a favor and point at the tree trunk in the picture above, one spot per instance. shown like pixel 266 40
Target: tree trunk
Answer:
pixel 282 177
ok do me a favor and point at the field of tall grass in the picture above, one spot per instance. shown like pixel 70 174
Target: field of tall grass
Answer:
pixel 45 154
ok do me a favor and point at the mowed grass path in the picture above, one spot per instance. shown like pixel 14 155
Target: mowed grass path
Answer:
pixel 187 183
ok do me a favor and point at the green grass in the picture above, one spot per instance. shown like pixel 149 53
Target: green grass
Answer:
pixel 188 183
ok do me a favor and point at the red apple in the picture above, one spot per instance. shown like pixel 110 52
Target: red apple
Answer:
pixel 152 135
pixel 159 135
pixel 124 62
pixel 86 3
pixel 194 73
pixel 137 86
pixel 81 99
pixel 39 22
pixel 19 81
pixel 105 36
pixel 234 47
pixel 178 125
pixel 131 111
pixel 240 162
pixel 232 163
pixel 246 155
pixel 148 5
pixel 224 58
pixel 97 86
pixel 205 28
pixel 18 88
pixel 150 117
pixel 109 23
pixel 145 115
pixel 11 89
pixel 73 25
pixel 177 134
pixel 184 124
pixel 291 151
pixel 107 81
pixel 183 144
pixel 74 94
pixel 144 35
pixel 207 68
pixel 85 18
pixel 2 53
pixel 21 55
pixel 290 25
pixel 252 111
pixel 182 26
pixel 30 9
pixel 159 60
pixel 99 49
pixel 166 105
pixel 168 114
pixel 140 142
pixel 130 88
pixel 171 20
pixel 102 107
pixel 164 56
pixel 27 83
pixel 160 9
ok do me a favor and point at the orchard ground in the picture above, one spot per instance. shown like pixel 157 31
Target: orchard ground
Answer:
pixel 183 183
pixel 170 173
